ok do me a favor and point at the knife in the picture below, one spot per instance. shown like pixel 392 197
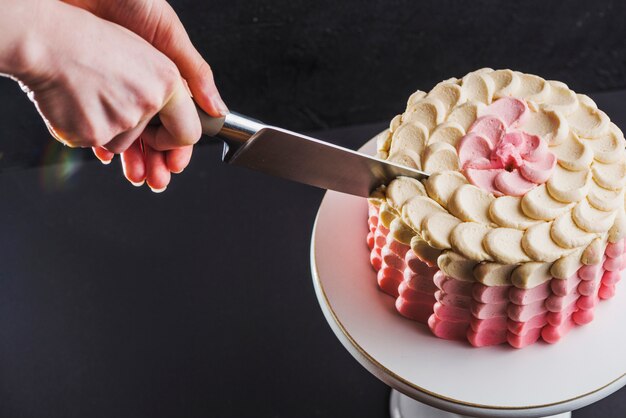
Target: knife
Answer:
pixel 290 155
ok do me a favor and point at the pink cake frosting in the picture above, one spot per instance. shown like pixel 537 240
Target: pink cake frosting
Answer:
pixel 521 228
pixel 499 157
pixel 489 315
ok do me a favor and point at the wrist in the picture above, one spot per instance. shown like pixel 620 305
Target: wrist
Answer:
pixel 24 41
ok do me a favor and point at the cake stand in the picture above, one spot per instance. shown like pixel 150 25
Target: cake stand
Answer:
pixel 434 378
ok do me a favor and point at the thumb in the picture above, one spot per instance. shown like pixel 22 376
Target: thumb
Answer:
pixel 180 124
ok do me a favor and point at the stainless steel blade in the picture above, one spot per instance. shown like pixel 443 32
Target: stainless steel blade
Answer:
pixel 308 160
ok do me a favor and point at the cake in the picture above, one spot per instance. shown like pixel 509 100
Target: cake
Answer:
pixel 519 231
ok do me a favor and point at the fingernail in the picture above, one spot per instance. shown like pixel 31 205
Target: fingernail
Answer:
pixel 137 184
pixel 219 104
pixel 158 190
pixel 106 162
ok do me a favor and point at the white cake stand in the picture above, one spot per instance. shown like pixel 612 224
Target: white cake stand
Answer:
pixel 434 378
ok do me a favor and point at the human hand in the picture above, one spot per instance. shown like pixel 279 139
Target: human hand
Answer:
pixel 157 23
pixel 101 88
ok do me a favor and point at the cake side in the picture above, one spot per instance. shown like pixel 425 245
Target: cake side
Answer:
pixel 520 229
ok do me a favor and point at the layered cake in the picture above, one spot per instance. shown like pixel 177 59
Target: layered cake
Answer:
pixel 519 231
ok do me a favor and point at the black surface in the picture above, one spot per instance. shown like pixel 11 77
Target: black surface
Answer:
pixel 198 302
pixel 318 64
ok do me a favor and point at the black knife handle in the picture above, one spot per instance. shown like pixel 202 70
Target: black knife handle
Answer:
pixel 234 129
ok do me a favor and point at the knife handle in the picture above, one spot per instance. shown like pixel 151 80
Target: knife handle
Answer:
pixel 234 129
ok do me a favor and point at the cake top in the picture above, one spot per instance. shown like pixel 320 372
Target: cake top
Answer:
pixel 523 170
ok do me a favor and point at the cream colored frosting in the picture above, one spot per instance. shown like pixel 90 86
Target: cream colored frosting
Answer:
pixel 553 229
pixel 494 274
pixel 400 231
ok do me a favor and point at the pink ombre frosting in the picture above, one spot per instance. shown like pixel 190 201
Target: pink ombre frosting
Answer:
pixel 485 315
pixel 527 250
pixel 498 157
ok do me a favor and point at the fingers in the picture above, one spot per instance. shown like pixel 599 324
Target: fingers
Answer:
pixel 122 141
pixel 170 37
pixel 178 159
pixel 156 166
pixel 157 173
pixel 200 79
pixel 141 162
pixel 133 164
pixel 202 84
pixel 103 155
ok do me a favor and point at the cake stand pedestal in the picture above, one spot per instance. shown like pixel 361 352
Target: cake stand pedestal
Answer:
pixel 433 378
pixel 402 406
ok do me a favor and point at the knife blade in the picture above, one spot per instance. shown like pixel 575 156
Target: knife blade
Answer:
pixel 290 155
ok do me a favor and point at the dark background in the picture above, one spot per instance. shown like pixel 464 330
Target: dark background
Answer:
pixel 115 302
pixel 307 65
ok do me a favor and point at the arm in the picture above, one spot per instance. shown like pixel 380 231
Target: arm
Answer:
pixel 19 23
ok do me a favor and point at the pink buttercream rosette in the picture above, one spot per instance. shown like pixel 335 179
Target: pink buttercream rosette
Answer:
pixel 497 156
